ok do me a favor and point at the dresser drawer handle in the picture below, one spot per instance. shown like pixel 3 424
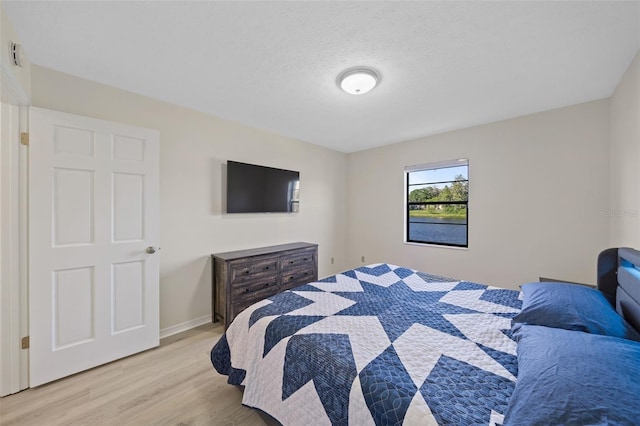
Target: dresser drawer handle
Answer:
pixel 305 259
pixel 306 273
pixel 266 267
pixel 291 262
pixel 246 271
pixel 249 290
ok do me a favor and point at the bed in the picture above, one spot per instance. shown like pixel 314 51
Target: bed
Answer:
pixel 388 345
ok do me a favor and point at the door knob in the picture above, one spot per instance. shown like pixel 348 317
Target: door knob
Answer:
pixel 151 249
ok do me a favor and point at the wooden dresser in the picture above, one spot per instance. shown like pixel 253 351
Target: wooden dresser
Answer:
pixel 241 278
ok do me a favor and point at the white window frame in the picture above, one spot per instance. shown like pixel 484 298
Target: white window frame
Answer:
pixel 432 166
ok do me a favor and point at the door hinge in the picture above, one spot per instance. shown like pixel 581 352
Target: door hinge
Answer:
pixel 25 342
pixel 24 138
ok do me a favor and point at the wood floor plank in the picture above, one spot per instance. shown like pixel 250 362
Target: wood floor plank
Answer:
pixel 173 384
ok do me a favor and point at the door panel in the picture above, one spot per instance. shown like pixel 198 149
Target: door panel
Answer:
pixel 128 207
pixel 127 294
pixel 73 317
pixel 72 199
pixel 93 288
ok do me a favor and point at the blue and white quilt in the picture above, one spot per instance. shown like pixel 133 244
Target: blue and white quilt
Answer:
pixel 378 345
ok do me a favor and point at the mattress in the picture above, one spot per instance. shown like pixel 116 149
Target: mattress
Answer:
pixel 380 344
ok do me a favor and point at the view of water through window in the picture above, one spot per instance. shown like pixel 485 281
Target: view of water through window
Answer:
pixel 441 232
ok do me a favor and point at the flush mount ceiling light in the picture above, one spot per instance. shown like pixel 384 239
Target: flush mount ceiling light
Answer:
pixel 358 81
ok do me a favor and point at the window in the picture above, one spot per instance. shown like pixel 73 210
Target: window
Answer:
pixel 437 203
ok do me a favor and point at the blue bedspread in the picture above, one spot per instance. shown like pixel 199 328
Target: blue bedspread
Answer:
pixel 380 345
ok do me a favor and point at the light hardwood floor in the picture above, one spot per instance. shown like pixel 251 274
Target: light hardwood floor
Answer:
pixel 174 384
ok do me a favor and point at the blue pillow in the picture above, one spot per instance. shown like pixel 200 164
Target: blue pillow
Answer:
pixel 572 307
pixel 574 378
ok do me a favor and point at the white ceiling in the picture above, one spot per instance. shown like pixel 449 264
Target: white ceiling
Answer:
pixel 273 65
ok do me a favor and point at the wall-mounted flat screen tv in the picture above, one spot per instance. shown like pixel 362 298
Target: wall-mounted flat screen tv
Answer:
pixel 259 189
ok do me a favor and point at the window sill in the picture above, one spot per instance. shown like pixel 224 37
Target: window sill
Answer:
pixel 411 243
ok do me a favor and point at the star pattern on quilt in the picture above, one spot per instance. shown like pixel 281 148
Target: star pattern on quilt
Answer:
pixel 401 307
pixel 398 307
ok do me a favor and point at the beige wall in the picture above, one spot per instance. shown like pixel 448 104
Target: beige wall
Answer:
pixel 20 77
pixel 623 212
pixel 193 148
pixel 538 188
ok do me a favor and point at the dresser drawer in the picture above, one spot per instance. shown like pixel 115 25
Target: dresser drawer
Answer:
pixel 248 288
pixel 295 278
pixel 296 261
pixel 249 271
pixel 248 295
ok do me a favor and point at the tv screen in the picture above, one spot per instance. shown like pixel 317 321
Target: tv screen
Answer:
pixel 259 189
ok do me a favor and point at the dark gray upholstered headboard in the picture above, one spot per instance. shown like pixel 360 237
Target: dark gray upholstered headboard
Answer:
pixel 619 279
pixel 628 294
pixel 608 273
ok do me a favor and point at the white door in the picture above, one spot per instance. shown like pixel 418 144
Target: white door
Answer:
pixel 93 223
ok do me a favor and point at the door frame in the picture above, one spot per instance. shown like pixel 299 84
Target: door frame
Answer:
pixel 14 361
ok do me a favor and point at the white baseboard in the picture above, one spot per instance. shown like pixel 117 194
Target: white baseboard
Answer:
pixel 179 328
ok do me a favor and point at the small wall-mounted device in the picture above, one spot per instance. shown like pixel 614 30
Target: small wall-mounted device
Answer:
pixel 15 53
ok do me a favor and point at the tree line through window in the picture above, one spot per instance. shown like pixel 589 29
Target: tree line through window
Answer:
pixel 437 203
